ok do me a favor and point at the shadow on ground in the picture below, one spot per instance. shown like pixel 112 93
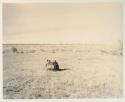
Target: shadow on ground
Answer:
pixel 58 70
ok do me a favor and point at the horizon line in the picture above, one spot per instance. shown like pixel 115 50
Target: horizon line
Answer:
pixel 56 44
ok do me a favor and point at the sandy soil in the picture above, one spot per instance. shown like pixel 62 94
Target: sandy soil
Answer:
pixel 91 71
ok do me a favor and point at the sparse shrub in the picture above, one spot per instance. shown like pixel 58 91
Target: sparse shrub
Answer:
pixel 3 51
pixel 21 52
pixel 42 50
pixel 121 47
pixel 121 53
pixel 114 53
pixel 53 51
pixel 17 52
pixel 62 50
pixel 14 49
pixel 32 51
pixel 104 52
pixel 56 49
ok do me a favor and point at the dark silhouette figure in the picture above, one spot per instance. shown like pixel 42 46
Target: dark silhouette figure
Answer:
pixel 56 65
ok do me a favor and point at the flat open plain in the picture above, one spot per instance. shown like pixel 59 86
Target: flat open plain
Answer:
pixel 90 71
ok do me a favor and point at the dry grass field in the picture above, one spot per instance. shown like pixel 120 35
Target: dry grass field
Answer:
pixel 91 71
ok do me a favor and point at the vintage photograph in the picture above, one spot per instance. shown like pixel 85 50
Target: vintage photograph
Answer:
pixel 62 50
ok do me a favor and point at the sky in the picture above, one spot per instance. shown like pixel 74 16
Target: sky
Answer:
pixel 61 23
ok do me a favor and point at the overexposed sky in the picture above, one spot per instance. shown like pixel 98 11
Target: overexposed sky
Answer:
pixel 62 23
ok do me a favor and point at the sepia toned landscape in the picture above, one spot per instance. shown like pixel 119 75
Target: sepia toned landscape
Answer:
pixel 62 50
pixel 89 71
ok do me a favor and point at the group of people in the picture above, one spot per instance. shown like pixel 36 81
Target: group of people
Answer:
pixel 52 65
